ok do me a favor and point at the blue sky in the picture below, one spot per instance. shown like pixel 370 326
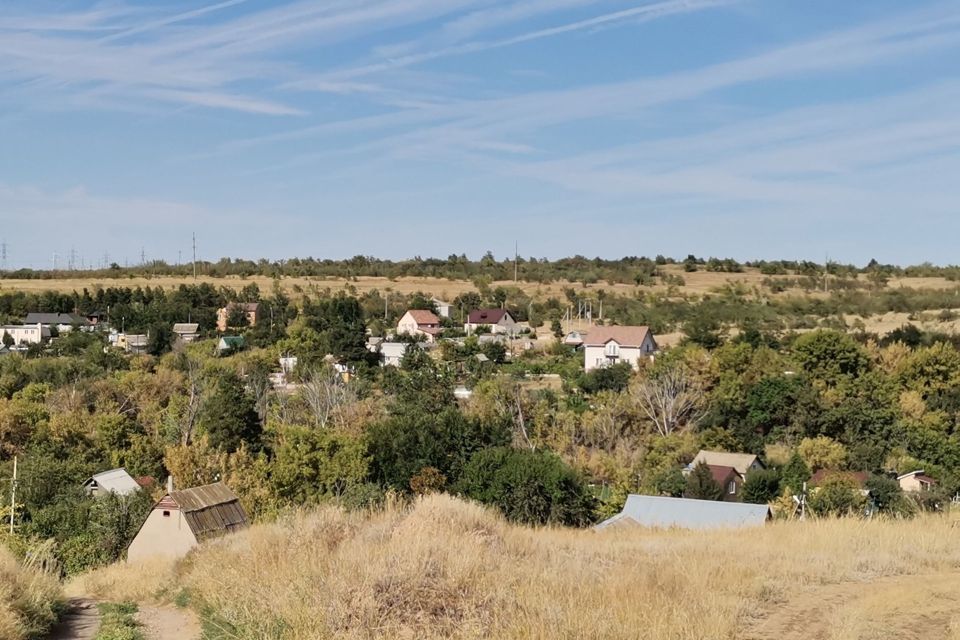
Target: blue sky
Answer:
pixel 395 128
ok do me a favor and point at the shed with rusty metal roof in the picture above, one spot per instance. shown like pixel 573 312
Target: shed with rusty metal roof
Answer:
pixel 183 519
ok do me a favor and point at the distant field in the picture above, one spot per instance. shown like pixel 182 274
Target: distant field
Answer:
pixel 697 282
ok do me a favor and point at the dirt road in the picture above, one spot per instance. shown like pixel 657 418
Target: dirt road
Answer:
pixel 168 623
pixel 80 622
pixel 901 607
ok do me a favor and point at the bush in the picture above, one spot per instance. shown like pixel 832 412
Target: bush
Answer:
pixel 762 486
pixel 529 487
pixel 838 495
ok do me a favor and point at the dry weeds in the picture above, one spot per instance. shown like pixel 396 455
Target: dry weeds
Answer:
pixel 448 569
pixel 29 597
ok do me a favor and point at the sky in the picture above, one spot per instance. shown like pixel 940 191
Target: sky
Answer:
pixel 753 129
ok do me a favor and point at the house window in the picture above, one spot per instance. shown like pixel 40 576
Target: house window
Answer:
pixel 166 514
pixel 612 350
pixel 732 487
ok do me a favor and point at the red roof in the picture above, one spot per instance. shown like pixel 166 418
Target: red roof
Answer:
pixel 423 316
pixel 487 316
pixel 624 336
pixel 145 481
pixel 722 474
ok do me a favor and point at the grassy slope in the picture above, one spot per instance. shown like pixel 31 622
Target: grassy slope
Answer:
pixel 450 569
pixel 29 599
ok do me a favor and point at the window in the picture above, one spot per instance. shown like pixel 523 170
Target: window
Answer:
pixel 732 487
pixel 166 514
pixel 612 350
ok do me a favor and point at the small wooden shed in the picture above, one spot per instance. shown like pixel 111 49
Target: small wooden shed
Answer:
pixel 183 519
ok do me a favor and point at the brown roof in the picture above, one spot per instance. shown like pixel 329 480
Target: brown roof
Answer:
pixel 209 510
pixel 487 316
pixel 424 316
pixel 721 474
pixel 246 306
pixel 625 336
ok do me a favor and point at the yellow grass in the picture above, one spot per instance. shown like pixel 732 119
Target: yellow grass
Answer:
pixel 697 282
pixel 448 569
pixel 29 598
pixel 142 582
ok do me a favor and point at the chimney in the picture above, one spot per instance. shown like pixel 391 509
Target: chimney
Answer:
pixel 169 484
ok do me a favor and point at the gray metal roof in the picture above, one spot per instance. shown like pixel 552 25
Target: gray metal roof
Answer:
pixel 685 513
pixel 54 318
pixel 116 481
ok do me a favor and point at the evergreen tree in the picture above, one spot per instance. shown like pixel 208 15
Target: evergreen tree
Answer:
pixel 7 339
pixel 762 486
pixel 229 416
pixel 701 485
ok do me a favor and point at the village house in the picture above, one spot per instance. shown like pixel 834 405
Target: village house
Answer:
pixel 743 463
pixel 183 519
pixel 250 309
pixel 62 321
pixel 496 320
pixel 685 513
pixel 116 481
pixel 186 332
pixel 230 344
pixel 729 479
pixel 443 308
pixel 916 481
pixel 419 322
pixel 391 353
pixel 606 346
pixel 135 343
pixel 25 334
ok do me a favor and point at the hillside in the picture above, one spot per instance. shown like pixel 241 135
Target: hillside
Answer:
pixel 445 568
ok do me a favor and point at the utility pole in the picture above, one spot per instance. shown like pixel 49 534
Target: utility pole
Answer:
pixel 143 257
pixel 54 260
pixel 13 494
pixel 3 254
pixel 194 256
pixel 516 260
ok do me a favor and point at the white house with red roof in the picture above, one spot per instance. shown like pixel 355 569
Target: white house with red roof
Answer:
pixel 420 322
pixel 606 346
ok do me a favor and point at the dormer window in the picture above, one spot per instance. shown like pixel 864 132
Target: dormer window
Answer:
pixel 611 350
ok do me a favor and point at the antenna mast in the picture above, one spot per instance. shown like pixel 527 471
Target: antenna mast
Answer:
pixel 194 256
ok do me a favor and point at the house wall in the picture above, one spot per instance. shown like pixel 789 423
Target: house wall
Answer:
pixel 26 334
pixel 594 356
pixel 161 535
pixel 910 483
pixel 738 488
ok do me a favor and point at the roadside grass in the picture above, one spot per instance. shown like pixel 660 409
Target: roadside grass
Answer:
pixel 31 599
pixel 118 622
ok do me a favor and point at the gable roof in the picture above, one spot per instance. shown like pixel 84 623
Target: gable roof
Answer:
pixel 739 461
pixel 920 474
pixel 54 318
pixel 232 342
pixel 209 510
pixel 721 474
pixel 423 316
pixel 488 316
pixel 663 512
pixel 625 336
pixel 185 327
pixel 116 481
pixel 137 340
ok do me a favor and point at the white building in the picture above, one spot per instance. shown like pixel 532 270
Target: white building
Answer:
pixel 606 346
pixel 25 333
pixel 391 353
pixel 116 481
pixel 443 308
pixel 496 320
pixel 419 322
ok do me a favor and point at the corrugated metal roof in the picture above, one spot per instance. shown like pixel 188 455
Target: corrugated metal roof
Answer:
pixel 116 481
pixel 186 327
pixel 662 512
pixel 210 510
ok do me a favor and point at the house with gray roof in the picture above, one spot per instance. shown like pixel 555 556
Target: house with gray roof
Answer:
pixel 116 481
pixel 661 512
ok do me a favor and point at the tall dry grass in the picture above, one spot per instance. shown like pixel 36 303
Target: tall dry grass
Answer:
pixel 444 568
pixel 30 598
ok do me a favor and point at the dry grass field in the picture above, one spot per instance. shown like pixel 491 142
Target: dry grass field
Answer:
pixel 28 599
pixel 697 282
pixel 444 568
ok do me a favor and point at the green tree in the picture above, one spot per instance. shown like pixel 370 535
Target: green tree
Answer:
pixel 762 486
pixel 312 464
pixel 670 482
pixel 794 474
pixel 556 328
pixel 8 340
pixel 838 495
pixel 160 339
pixel 529 487
pixel 229 417
pixel 701 485
pixel 830 355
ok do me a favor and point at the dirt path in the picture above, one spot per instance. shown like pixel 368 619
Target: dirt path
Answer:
pixel 901 607
pixel 168 623
pixel 80 622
